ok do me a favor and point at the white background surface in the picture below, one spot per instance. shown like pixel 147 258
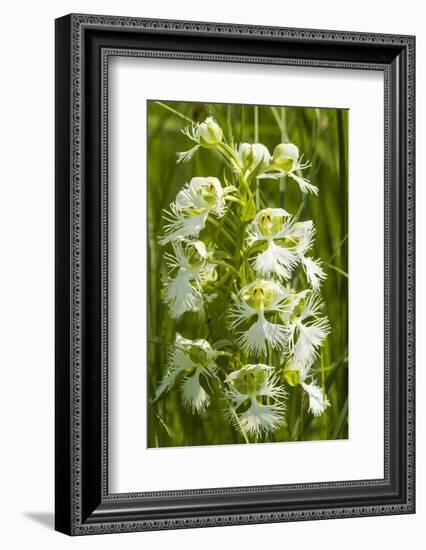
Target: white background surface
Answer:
pixel 26 300
pixel 132 81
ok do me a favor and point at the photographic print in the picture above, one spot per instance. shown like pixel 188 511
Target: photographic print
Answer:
pixel 247 274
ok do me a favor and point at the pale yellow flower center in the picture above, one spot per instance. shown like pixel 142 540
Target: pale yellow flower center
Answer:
pixel 259 296
pixel 269 225
pixel 209 194
pixel 249 382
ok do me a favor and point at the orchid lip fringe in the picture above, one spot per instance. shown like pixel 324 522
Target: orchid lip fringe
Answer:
pixel 248 278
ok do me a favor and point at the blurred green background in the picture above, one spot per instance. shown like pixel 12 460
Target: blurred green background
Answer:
pixel 322 137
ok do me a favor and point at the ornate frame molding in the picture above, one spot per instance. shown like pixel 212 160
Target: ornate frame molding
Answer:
pixel 73 52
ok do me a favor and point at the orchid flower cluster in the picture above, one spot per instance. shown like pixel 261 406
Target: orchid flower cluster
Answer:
pixel 265 279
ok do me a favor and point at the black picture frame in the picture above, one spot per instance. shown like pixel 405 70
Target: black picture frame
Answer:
pixel 83 46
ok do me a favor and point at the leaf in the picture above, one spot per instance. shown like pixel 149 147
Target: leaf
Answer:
pixel 249 210
pixel 220 255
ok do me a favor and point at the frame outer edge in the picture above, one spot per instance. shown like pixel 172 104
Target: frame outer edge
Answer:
pixel 77 22
pixel 63 492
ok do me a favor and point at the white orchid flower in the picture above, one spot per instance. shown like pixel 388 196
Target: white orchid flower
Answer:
pixel 248 388
pixel 255 300
pixel 307 329
pixel 298 375
pixel 273 226
pixel 286 161
pixel 196 359
pixel 194 202
pixel 304 233
pixel 253 156
pixel 205 134
pixel 184 291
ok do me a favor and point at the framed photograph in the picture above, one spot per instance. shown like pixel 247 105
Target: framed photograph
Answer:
pixel 234 274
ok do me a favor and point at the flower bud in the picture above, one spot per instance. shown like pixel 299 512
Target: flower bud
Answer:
pixel 253 154
pixel 292 377
pixel 208 133
pixel 285 156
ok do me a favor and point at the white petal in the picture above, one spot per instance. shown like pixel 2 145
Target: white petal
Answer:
pixel 310 338
pixel 313 306
pixel 287 150
pixel 183 254
pixel 239 313
pixel 200 248
pixel 235 397
pixel 258 419
pixel 317 402
pixel 177 361
pixel 253 234
pixel 314 272
pixel 272 388
pixel 186 156
pixel 181 342
pixel 182 294
pixel 305 185
pixel 271 176
pixel 275 260
pixel 262 331
pixel 194 396
pixel 183 225
pixel 304 232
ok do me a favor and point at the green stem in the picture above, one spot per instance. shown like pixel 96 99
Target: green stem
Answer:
pixel 341 420
pixel 222 282
pixel 234 414
pixel 282 192
pixel 337 269
pixel 225 264
pixel 301 207
pixel 222 229
pixel 175 112
pixel 242 123
pixel 231 153
pixel 283 179
pixel 234 160
pixel 235 199
pixel 256 140
pixel 324 415
pixel 302 399
pixel 237 420
pixel 338 247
